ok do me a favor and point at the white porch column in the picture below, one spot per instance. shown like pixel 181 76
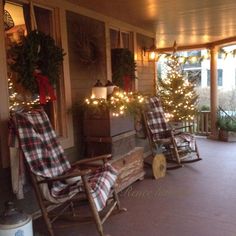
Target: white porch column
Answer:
pixel 213 91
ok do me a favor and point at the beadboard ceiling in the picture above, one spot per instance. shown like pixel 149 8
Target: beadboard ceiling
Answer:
pixel 189 22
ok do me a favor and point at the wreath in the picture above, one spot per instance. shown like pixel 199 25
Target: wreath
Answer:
pixel 37 61
pixel 88 53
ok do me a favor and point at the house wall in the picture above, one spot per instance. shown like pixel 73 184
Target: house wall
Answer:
pixel 229 73
pixel 146 72
pixel 78 77
pixel 87 63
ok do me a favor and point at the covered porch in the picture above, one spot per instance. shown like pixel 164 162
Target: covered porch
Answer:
pixel 198 199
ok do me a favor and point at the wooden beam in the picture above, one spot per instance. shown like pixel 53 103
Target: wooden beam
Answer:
pixel 184 48
pixel 209 45
pixel 224 41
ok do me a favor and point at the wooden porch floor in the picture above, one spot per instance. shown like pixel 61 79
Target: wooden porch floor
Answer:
pixel 199 199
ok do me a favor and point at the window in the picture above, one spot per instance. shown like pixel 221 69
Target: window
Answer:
pixel 45 18
pixel 120 39
pixel 219 79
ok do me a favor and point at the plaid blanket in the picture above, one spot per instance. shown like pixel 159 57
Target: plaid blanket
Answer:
pixel 159 127
pixel 156 119
pixel 46 158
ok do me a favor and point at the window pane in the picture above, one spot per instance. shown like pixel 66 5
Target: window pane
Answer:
pixel 126 41
pixel 208 78
pixel 220 78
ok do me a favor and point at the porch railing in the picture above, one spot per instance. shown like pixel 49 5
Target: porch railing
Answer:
pixel 202 124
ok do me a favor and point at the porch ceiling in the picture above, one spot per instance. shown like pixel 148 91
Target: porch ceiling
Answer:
pixel 189 22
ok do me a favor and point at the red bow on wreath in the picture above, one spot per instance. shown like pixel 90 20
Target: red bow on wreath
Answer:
pixel 45 88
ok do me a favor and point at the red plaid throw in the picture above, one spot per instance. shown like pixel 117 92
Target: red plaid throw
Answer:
pixel 46 158
pixel 156 119
pixel 159 127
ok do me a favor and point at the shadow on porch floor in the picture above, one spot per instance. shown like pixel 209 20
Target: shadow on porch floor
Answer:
pixel 199 199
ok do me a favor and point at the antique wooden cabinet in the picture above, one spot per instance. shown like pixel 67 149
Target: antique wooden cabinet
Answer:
pixel 107 134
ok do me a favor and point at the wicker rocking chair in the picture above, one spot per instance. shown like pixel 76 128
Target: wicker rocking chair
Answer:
pixel 58 184
pixel 178 147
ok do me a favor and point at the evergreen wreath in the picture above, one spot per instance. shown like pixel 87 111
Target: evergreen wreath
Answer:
pixel 36 51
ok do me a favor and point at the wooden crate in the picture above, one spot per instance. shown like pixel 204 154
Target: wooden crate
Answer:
pixel 116 145
pixel 130 167
pixel 103 124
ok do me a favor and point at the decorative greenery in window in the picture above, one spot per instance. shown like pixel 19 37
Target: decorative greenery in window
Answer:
pixel 123 68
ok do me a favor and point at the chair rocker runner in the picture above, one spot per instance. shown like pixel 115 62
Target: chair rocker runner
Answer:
pixel 177 146
pixel 56 182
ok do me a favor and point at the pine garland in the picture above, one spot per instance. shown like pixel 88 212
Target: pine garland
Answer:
pixel 36 51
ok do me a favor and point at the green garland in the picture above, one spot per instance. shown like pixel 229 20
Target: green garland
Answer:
pixel 120 103
pixel 36 51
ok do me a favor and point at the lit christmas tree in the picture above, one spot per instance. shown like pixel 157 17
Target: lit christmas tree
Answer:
pixel 177 94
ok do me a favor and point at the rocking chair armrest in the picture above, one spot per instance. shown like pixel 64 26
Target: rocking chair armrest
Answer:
pixel 181 127
pixel 166 133
pixel 66 176
pixel 104 158
pixel 164 140
pixel 177 130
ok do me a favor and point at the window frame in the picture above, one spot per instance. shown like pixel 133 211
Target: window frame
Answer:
pixel 66 137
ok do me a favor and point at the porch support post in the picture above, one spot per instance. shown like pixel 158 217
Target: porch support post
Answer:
pixel 4 105
pixel 213 91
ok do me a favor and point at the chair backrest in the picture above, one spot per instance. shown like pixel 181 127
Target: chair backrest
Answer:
pixel 43 154
pixel 155 118
pixel 39 144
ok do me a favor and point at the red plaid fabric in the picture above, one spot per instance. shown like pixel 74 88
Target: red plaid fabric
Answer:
pixel 39 144
pixel 101 184
pixel 46 158
pixel 159 127
pixel 156 118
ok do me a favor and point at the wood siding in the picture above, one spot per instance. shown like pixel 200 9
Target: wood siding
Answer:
pixel 145 69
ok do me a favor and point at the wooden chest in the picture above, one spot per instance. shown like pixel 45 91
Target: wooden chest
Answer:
pixel 116 145
pixel 130 167
pixel 107 134
pixel 103 124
